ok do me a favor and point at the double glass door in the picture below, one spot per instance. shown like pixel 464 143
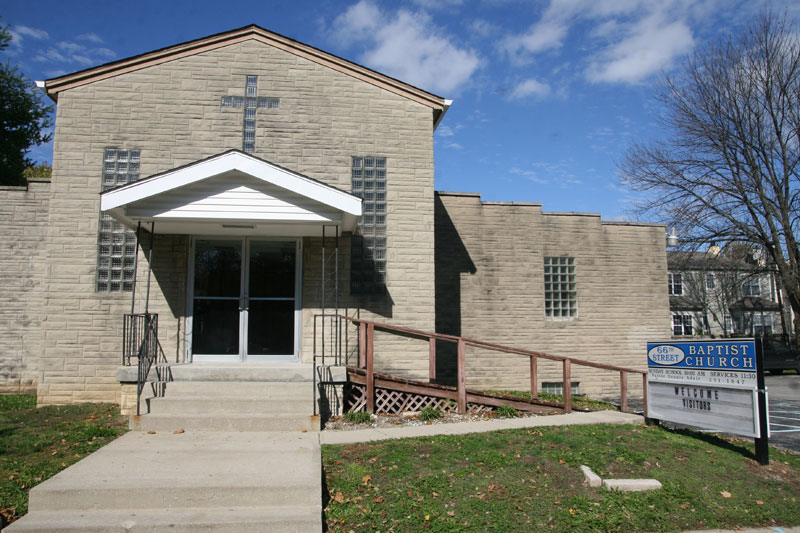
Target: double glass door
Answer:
pixel 244 301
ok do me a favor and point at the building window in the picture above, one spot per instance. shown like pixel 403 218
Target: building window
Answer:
pixel 682 324
pixel 675 284
pixel 751 286
pixel 368 245
pixel 762 324
pixel 560 289
pixel 557 387
pixel 728 324
pixel 711 281
pixel 116 244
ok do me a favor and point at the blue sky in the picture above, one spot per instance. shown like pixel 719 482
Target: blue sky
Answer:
pixel 547 94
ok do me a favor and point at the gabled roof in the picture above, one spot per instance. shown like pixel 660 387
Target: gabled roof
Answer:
pixel 55 85
pixel 705 261
pixel 117 202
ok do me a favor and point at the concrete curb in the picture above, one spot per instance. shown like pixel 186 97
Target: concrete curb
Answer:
pixel 463 428
pixel 625 485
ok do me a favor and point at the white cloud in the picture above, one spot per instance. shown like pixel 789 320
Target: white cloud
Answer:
pixel 628 40
pixel 650 46
pixel 18 35
pixel 33 33
pixel 445 131
pixel 530 175
pixel 530 89
pixel 356 21
pixel 438 4
pixel 71 53
pixel 406 45
pixel 91 37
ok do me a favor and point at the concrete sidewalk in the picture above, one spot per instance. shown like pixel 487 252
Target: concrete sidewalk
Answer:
pixel 462 428
pixel 774 529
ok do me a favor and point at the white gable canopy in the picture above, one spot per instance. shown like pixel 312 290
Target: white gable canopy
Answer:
pixel 233 193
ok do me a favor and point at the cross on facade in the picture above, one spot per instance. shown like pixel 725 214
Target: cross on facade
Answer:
pixel 250 103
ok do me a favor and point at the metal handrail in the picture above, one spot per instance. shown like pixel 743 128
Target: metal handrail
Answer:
pixel 140 339
pixel 320 353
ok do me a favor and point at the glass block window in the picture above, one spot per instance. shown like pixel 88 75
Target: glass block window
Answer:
pixel 557 387
pixel 682 324
pixel 560 289
pixel 675 284
pixel 116 245
pixel 368 247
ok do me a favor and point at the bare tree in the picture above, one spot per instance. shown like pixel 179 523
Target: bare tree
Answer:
pixel 728 171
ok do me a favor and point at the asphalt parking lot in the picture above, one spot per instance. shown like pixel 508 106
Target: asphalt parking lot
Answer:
pixel 784 410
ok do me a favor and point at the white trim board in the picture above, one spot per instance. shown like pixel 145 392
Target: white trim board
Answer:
pixel 328 205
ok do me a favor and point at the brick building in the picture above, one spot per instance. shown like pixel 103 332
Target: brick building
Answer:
pixel 230 154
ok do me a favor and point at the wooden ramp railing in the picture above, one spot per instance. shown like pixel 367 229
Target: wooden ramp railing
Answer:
pixel 366 356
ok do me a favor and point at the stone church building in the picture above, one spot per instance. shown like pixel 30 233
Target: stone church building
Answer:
pixel 230 156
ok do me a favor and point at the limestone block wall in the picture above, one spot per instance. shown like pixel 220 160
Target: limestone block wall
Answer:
pixel 490 286
pixel 23 219
pixel 172 113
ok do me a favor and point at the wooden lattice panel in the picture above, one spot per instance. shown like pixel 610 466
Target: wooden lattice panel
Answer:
pixel 395 402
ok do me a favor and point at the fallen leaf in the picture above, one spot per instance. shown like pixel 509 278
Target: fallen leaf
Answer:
pixel 338 497
pixel 366 479
pixel 151 432
pixel 725 494
pixel 451 513
pixel 379 499
pixel 561 461
pixel 178 431
pixel 759 502
pixel 427 517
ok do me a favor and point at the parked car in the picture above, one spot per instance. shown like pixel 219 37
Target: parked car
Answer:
pixel 779 356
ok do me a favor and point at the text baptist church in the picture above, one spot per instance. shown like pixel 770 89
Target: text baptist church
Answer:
pixel 232 155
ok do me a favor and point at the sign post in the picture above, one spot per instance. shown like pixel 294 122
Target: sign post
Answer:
pixel 762 442
pixel 717 385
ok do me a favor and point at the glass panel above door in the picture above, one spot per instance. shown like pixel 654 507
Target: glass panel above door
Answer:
pixel 217 268
pixel 272 269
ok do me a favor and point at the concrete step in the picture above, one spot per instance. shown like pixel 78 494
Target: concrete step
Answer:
pixel 289 519
pixel 286 372
pixel 247 389
pixel 220 405
pixel 189 470
pixel 225 422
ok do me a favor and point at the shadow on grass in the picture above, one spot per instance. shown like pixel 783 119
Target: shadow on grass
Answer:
pixel 715 440
pixel 326 498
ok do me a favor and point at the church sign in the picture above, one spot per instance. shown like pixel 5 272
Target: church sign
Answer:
pixel 708 384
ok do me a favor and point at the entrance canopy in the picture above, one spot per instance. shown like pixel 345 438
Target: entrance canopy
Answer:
pixel 233 193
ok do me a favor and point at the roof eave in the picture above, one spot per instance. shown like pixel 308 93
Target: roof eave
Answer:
pixel 55 85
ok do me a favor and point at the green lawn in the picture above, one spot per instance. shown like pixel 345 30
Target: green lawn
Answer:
pixel 529 480
pixel 578 402
pixel 36 444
